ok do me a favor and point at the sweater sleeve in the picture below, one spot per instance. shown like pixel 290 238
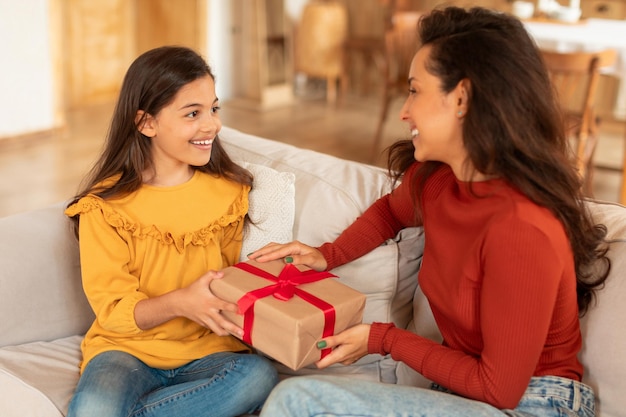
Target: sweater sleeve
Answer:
pixel 522 275
pixel 111 289
pixel 381 221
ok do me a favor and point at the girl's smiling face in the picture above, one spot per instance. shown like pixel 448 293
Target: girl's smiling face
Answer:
pixel 182 133
pixel 435 117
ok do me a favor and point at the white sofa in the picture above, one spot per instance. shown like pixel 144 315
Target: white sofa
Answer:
pixel 44 312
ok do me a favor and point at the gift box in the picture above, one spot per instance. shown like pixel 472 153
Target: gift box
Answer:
pixel 285 310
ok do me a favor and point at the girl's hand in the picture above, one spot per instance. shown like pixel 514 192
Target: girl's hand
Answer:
pixel 295 252
pixel 202 306
pixel 348 346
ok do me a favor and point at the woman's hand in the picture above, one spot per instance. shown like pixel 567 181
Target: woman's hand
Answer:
pixel 348 346
pixel 295 252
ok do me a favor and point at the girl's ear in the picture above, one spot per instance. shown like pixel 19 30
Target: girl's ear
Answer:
pixel 145 123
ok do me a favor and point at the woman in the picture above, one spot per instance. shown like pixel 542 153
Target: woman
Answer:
pixel 508 240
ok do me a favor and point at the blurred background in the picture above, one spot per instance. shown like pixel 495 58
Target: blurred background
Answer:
pixel 313 73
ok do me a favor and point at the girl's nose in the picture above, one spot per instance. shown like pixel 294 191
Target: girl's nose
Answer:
pixel 404 111
pixel 210 123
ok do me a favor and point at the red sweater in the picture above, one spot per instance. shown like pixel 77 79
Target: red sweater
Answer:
pixel 499 275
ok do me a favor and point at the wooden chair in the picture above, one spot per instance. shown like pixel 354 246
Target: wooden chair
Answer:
pixel 319 40
pixel 575 77
pixel 400 45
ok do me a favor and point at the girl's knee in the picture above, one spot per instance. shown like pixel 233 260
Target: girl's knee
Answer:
pixel 93 404
pixel 262 372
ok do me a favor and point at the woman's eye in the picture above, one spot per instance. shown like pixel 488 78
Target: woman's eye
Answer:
pixel 215 109
pixel 412 91
pixel 192 114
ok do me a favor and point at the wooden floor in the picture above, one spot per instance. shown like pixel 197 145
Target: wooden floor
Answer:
pixel 37 172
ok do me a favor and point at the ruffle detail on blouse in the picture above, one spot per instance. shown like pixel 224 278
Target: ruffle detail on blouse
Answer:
pixel 201 237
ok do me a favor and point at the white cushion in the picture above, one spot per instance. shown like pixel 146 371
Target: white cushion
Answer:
pixel 271 208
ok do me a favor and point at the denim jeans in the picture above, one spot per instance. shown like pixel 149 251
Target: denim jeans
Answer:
pixel 327 396
pixel 116 384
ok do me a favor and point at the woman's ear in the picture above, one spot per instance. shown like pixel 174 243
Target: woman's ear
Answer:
pixel 145 123
pixel 462 93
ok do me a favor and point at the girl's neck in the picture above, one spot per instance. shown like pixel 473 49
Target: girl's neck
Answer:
pixel 169 179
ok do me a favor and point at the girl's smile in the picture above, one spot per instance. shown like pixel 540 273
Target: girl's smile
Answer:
pixel 203 144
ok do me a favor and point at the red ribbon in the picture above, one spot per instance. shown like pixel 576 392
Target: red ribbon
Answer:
pixel 285 287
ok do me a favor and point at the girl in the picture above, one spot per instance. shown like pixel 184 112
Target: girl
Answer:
pixel 161 212
pixel 508 248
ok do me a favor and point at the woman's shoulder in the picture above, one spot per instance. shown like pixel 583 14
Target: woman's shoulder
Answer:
pixel 515 212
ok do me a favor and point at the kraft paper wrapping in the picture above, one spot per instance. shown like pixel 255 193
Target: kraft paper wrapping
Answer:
pixel 288 330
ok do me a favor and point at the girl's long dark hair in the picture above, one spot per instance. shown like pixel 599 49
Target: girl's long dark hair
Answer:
pixel 513 128
pixel 150 84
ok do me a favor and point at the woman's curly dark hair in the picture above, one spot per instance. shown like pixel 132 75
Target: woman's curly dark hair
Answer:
pixel 513 128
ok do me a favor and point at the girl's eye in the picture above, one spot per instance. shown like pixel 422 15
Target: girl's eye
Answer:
pixel 412 91
pixel 193 114
pixel 215 109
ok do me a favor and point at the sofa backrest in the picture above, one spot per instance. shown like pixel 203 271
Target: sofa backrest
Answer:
pixel 604 337
pixel 323 182
pixel 41 295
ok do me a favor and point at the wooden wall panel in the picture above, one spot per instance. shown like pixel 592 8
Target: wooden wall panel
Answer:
pixel 99 47
pixel 167 22
pixel 102 38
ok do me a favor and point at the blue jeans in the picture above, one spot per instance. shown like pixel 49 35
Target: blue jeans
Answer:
pixel 326 396
pixel 116 384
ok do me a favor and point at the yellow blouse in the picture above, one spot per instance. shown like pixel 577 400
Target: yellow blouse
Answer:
pixel 148 243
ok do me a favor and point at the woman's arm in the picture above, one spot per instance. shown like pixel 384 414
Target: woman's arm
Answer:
pixel 381 221
pixel 523 274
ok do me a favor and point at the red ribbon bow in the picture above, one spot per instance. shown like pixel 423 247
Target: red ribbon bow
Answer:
pixel 285 287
